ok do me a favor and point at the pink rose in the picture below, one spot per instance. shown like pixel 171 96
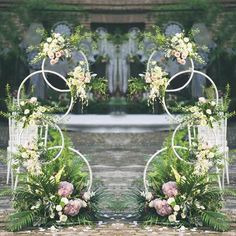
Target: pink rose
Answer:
pixel 177 54
pixel 58 54
pixel 65 189
pixel 72 208
pixel 162 207
pixel 170 189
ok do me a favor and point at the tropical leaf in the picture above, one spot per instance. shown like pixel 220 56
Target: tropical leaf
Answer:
pixel 20 220
pixel 216 220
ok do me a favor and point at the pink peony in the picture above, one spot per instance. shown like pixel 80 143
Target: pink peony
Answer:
pixel 170 189
pixel 65 189
pixel 162 207
pixel 72 208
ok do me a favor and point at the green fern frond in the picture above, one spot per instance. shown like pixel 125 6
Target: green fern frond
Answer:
pixel 216 220
pixel 20 220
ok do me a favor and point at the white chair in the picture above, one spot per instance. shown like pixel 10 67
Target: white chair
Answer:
pixel 18 136
pixel 217 136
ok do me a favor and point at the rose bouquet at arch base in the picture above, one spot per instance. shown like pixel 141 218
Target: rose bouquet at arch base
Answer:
pixel 56 195
pixel 180 196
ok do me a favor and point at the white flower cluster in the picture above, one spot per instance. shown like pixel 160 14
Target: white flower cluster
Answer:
pixel 157 78
pixel 206 157
pixel 203 113
pixel 55 48
pixel 31 111
pixel 78 80
pixel 29 157
pixel 180 47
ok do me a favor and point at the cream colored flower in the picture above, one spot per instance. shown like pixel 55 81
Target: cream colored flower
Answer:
pixel 148 196
pixel 59 208
pixel 63 218
pixel 64 200
pixel 151 204
pixel 22 103
pixel 33 100
pixel 172 218
pixel 170 200
pixel 49 40
pixel 26 111
pixel 86 196
pixel 176 208
pixel 211 155
pixel 186 39
pixel 208 111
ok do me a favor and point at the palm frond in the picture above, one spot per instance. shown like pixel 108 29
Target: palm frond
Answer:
pixel 20 220
pixel 216 220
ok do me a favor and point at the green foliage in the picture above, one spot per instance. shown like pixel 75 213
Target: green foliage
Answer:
pixel 99 88
pixel 136 88
pixel 199 198
pixel 36 196
pixel 216 220
pixel 20 220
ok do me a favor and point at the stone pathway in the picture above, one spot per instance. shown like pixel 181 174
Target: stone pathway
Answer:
pixel 118 160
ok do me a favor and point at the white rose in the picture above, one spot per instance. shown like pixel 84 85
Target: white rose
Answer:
pixel 52 215
pixel 64 200
pixel 211 155
pixel 213 103
pixel 33 100
pixel 86 196
pixel 27 111
pixel 208 111
pixel 148 196
pixel 186 39
pixel 22 103
pixel 172 218
pixel 176 208
pixel 83 203
pixel 170 200
pixel 59 208
pixel 151 204
pixel 202 99
pixel 24 155
pixel 63 218
pixel 49 40
pixel 183 216
pixel 57 35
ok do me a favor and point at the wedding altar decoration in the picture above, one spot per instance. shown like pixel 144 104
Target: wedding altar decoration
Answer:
pixel 181 187
pixel 53 181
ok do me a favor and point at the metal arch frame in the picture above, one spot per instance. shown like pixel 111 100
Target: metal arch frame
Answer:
pixel 43 71
pixel 192 71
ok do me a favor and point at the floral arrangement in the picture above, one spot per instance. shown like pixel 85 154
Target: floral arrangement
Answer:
pixel 205 113
pixel 30 112
pixel 179 47
pixel 28 156
pixel 78 79
pixel 157 79
pixel 57 196
pixel 179 196
pixel 58 47
pixel 205 157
